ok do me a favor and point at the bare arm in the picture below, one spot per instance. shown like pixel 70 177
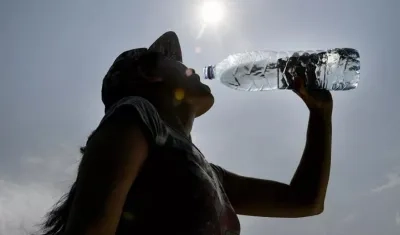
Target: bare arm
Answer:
pixel 305 195
pixel 312 175
pixel 112 160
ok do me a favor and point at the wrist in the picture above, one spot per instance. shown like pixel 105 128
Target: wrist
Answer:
pixel 321 113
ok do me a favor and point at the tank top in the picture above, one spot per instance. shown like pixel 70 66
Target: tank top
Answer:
pixel 177 190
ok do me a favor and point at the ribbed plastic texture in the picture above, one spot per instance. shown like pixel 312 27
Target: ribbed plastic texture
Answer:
pixel 333 69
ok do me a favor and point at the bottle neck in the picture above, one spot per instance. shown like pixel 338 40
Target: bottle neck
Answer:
pixel 209 72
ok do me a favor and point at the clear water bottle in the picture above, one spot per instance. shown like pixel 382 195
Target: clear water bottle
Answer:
pixel 334 69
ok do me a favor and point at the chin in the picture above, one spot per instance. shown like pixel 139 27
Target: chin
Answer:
pixel 203 103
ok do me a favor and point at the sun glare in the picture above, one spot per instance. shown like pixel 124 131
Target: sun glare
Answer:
pixel 212 12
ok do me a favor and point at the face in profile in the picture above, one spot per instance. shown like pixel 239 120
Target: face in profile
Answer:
pixel 186 85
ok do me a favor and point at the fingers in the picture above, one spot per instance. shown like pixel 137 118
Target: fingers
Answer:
pixel 299 87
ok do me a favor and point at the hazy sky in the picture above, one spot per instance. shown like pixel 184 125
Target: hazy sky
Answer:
pixel 54 54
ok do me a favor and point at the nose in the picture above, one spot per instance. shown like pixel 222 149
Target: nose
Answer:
pixel 189 72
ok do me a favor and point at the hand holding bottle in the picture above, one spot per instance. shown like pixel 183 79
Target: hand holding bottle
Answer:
pixel 316 100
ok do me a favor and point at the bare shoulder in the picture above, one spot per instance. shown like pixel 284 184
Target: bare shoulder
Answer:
pixel 112 159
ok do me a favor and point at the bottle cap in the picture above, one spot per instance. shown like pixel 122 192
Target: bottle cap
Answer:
pixel 208 72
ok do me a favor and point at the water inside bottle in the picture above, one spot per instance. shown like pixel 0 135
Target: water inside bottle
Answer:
pixel 335 69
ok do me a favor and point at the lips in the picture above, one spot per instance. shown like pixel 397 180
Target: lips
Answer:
pixel 195 76
pixel 207 87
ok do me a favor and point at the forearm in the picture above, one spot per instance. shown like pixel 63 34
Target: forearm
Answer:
pixel 312 175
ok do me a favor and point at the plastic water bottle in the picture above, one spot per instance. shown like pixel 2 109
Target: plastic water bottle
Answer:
pixel 333 69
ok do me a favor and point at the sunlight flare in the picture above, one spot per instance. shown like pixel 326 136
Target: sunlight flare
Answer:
pixel 212 12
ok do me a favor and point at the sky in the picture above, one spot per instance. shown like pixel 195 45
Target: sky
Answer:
pixel 54 55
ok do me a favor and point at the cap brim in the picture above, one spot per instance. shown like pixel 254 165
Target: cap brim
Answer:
pixel 168 45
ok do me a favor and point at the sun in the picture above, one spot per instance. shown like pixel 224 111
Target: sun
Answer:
pixel 212 12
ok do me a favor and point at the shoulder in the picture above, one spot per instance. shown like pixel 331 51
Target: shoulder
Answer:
pixel 138 105
pixel 219 172
pixel 139 112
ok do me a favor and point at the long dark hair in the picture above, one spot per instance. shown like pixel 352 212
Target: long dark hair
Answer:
pixel 57 218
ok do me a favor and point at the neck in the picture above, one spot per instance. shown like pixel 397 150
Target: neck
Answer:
pixel 179 117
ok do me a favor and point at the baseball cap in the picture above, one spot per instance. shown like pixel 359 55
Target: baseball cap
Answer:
pixel 124 72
